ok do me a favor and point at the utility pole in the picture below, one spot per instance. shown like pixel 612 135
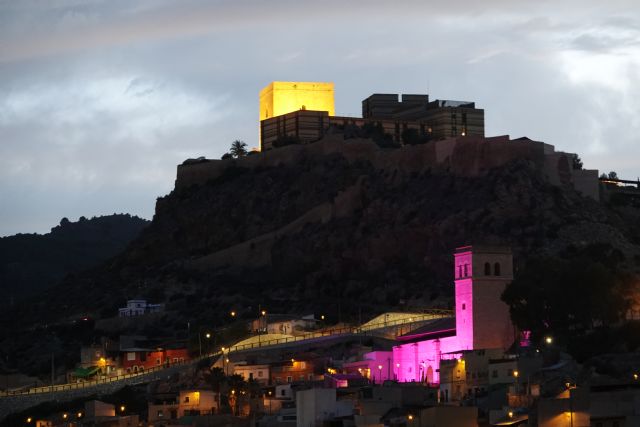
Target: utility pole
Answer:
pixel 52 373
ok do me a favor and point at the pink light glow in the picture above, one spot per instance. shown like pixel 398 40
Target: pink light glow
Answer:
pixel 420 361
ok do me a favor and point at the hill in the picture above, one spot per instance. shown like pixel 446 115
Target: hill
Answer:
pixel 346 230
pixel 31 263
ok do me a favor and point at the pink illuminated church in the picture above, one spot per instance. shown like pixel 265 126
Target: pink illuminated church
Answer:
pixel 481 318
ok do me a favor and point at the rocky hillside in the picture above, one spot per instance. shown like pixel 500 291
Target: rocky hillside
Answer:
pixel 330 234
pixel 30 263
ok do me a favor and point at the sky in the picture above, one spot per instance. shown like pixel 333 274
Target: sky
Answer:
pixel 100 100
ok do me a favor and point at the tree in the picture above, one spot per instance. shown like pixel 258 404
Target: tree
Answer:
pixel 565 296
pixel 612 175
pixel 577 162
pixel 226 156
pixel 238 149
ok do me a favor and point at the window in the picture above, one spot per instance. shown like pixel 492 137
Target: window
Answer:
pixel 158 361
pixel 459 271
pixel 186 399
pixel 487 269
pixel 509 372
pixel 260 374
pixel 494 374
pixel 282 392
pixel 466 271
pixel 496 269
pixel 288 379
pixel 464 306
pixel 131 356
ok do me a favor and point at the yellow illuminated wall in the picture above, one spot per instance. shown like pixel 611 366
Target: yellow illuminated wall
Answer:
pixel 279 98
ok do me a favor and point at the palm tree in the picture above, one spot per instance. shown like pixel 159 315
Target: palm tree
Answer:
pixel 238 148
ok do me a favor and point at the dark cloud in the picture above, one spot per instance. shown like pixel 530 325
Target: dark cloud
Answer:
pixel 99 101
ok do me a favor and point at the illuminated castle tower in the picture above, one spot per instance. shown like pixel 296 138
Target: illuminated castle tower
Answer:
pixel 482 318
pixel 278 98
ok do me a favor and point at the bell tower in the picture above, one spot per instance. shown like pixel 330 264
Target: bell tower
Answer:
pixel 482 318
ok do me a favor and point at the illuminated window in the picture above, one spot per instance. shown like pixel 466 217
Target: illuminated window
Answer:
pixel 496 269
pixel 487 269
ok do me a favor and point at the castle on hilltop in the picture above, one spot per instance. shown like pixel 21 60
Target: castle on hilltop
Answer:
pixel 441 136
pixel 306 111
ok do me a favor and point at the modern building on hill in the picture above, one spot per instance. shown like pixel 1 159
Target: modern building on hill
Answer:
pixel 437 119
pixel 306 111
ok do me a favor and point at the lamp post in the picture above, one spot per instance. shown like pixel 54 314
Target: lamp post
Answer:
pixel 380 374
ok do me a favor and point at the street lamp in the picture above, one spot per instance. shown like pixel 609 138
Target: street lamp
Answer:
pixel 122 408
pixel 548 340
pixel 380 373
pixel 233 314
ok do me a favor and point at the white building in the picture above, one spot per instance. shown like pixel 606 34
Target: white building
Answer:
pixel 316 405
pixel 139 307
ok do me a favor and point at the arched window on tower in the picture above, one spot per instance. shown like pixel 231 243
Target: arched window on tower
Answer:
pixel 487 269
pixel 496 269
pixel 459 271
pixel 466 270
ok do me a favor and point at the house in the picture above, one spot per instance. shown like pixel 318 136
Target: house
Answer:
pixel 138 354
pixel 259 373
pixel 317 405
pixel 139 307
pixel 292 371
pixel 97 413
pixel 186 403
pixel 376 366
pixel 284 324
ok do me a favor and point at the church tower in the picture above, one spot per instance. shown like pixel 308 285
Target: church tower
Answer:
pixel 482 318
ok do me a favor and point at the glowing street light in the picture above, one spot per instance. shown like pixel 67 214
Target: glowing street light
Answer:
pixel 208 335
pixel 516 373
pixel 635 377
pixel 410 417
pixel 233 314
pixel 510 414
pixel 65 416
pixel 122 408
pixel 548 340
pixel 29 420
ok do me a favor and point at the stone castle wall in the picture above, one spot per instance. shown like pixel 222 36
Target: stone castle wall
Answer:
pixel 463 156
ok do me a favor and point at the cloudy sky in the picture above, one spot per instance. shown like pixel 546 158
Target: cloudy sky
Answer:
pixel 100 100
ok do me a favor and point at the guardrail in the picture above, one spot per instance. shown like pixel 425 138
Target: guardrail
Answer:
pixel 413 322
pixel 365 329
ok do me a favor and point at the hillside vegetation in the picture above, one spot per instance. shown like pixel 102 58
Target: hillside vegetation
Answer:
pixel 324 234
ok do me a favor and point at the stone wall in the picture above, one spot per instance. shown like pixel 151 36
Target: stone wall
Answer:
pixel 13 404
pixel 464 156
